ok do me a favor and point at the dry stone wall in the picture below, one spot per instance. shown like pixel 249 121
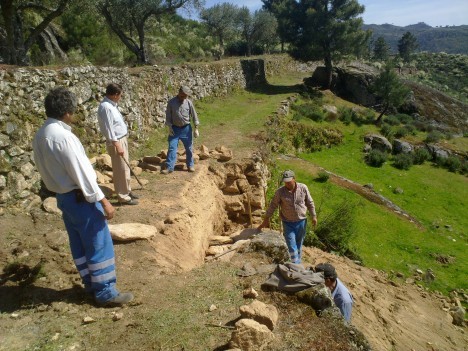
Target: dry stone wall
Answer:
pixel 146 92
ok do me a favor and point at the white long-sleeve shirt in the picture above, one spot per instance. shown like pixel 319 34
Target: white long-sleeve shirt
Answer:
pixel 62 161
pixel 110 120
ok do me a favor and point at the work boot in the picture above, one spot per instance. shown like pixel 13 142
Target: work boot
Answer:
pixel 128 202
pixel 133 195
pixel 166 171
pixel 191 169
pixel 119 300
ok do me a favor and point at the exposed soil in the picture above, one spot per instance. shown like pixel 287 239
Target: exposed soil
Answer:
pixel 167 274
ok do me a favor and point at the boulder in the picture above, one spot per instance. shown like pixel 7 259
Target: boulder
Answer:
pixel 318 297
pixel 272 244
pixel 261 312
pixel 132 231
pixel 220 240
pixel 400 147
pixel 250 336
pixel 378 142
pixel 50 205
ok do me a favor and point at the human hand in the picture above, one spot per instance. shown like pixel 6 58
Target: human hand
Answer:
pixel 314 221
pixel 119 149
pixel 171 131
pixel 109 210
pixel 196 133
pixel 265 224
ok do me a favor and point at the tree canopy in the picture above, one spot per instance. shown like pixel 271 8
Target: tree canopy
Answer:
pixel 407 45
pixel 323 29
pixel 221 22
pixel 128 18
pixel 381 49
pixel 390 89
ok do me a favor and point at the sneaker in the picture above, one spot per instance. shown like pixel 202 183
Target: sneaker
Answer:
pixel 191 169
pixel 166 171
pixel 128 202
pixel 119 300
pixel 133 195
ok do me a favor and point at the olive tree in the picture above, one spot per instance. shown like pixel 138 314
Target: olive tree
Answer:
pixel 221 22
pixel 19 37
pixel 128 19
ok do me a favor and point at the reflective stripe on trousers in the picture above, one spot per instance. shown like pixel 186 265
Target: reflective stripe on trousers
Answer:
pixel 91 245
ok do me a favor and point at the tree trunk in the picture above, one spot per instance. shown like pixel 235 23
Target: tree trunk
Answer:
pixel 378 121
pixel 15 53
pixel 328 71
pixel 142 55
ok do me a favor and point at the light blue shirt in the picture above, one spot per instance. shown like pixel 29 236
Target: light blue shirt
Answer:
pixel 110 120
pixel 62 162
pixel 343 299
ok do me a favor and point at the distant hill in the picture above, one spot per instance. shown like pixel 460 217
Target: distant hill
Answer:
pixel 452 40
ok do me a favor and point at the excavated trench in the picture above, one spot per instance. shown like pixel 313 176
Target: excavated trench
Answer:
pixel 218 200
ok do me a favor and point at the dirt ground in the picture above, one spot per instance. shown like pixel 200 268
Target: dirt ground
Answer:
pixel 174 288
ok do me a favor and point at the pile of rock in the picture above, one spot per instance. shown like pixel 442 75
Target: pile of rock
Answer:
pixel 155 163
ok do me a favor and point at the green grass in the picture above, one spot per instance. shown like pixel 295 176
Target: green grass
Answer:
pixel 235 119
pixel 388 242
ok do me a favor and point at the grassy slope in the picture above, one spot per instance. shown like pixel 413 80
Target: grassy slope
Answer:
pixel 384 241
pixel 434 196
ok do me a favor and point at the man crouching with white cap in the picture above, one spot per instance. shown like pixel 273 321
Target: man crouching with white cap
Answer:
pixel 294 200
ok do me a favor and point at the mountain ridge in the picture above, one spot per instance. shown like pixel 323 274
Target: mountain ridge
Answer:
pixel 449 39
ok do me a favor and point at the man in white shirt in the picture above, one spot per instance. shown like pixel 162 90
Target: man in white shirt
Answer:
pixel 115 131
pixel 66 170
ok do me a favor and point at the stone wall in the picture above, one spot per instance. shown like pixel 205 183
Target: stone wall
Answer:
pixel 146 92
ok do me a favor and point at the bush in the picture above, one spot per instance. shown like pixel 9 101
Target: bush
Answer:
pixel 322 177
pixel 376 158
pixel 335 231
pixel 433 137
pixel 387 131
pixel 404 118
pixel 347 115
pixel 401 132
pixel 421 155
pixel 308 110
pixel 403 161
pixel 453 163
pixel 392 120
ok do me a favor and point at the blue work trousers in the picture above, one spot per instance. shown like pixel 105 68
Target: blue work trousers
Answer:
pixel 183 134
pixel 91 245
pixel 294 234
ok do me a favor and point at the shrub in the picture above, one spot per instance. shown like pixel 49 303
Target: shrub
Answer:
pixel 403 161
pixel 421 155
pixel 387 131
pixel 322 177
pixel 401 132
pixel 433 137
pixel 376 158
pixel 392 120
pixel 404 118
pixel 335 231
pixel 346 115
pixel 453 163
pixel 309 110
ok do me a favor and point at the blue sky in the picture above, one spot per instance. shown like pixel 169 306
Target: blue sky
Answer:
pixel 397 12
